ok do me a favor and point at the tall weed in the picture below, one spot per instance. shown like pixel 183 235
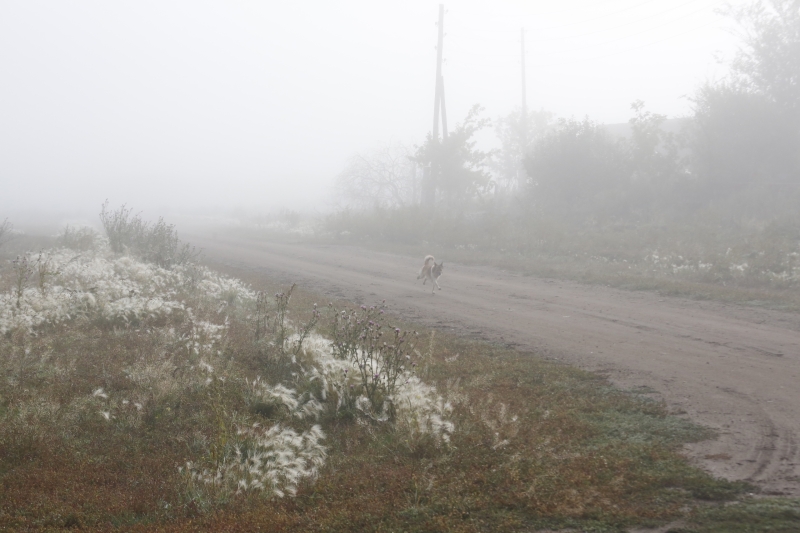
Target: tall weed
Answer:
pixel 359 337
pixel 156 243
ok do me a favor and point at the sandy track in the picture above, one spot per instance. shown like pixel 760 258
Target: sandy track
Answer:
pixel 732 368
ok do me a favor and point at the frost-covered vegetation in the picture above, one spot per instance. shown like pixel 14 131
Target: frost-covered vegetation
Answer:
pixel 188 310
pixel 93 285
pixel 242 384
pixel 156 243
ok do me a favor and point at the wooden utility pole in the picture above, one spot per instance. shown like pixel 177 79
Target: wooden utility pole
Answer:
pixel 444 108
pixel 524 121
pixel 431 174
pixel 438 92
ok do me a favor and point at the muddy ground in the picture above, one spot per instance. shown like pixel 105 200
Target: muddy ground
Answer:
pixel 729 367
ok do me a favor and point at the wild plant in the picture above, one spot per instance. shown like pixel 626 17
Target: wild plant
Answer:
pixel 275 401
pixel 422 414
pixel 279 326
pixel 287 340
pixel 296 341
pixel 22 273
pixel 272 461
pixel 44 271
pixel 277 340
pixel 81 239
pixel 427 357
pixel 5 231
pixel 160 244
pixel 495 416
pixel 157 243
pixel 216 403
pixel 345 393
pixel 193 275
pixel 358 337
pixel 261 315
pixel 119 226
pixel 327 375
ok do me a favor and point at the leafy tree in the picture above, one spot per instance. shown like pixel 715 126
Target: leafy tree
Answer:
pixel 458 168
pixel 740 138
pixel 517 134
pixel 769 60
pixel 747 129
pixel 653 150
pixel 578 169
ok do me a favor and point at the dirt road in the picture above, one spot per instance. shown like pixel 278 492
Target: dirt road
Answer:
pixel 732 368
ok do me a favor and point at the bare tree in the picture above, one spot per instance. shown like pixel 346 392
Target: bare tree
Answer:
pixel 385 177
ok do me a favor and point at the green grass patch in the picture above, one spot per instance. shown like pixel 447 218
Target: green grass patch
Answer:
pixel 752 515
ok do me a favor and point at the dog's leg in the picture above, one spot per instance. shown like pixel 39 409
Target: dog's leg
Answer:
pixel 437 284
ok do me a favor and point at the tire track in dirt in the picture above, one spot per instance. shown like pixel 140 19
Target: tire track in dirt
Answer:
pixel 732 368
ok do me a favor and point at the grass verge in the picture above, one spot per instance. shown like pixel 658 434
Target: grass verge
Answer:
pixel 713 254
pixel 754 515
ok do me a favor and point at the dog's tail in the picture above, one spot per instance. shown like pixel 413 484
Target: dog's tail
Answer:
pixel 428 260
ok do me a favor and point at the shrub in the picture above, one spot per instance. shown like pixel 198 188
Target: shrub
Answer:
pixel 81 239
pixel 578 170
pixel 156 243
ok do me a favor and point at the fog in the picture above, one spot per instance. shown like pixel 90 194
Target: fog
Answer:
pixel 203 106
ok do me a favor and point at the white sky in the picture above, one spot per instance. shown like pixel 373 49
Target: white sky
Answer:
pixel 198 104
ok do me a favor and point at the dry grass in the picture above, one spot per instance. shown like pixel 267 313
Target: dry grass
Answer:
pixel 535 444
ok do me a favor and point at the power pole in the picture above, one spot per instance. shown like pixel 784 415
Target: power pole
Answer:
pixel 444 109
pixel 438 92
pixel 431 174
pixel 523 130
pixel 524 91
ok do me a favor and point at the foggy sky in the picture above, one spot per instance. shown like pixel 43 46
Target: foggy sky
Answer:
pixel 196 104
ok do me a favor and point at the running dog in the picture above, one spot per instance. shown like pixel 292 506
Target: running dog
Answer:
pixel 431 270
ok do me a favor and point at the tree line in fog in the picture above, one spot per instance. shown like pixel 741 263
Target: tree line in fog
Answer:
pixel 738 150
